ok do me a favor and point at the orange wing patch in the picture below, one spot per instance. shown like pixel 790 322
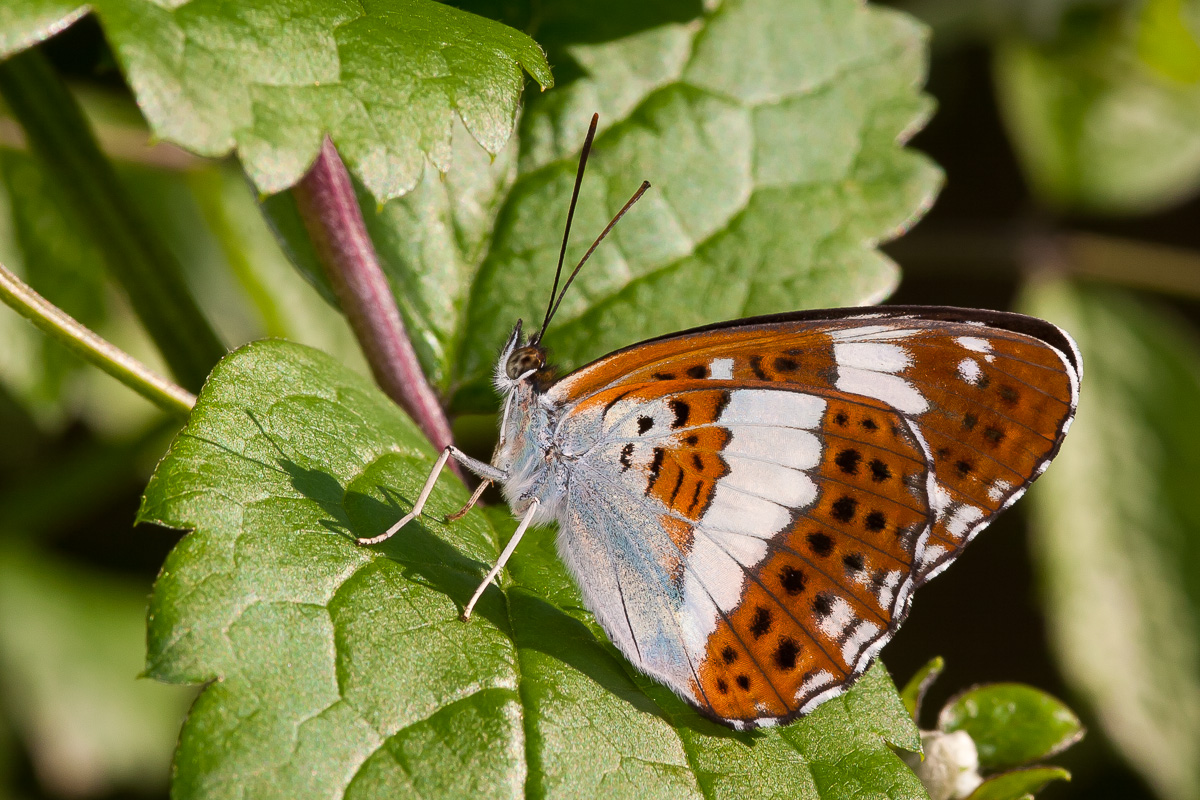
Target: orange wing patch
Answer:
pixel 995 418
pixel 836 582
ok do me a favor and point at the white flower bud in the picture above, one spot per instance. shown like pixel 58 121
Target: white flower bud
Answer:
pixel 950 770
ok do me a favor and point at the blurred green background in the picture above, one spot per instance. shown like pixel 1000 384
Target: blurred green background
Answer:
pixel 1070 137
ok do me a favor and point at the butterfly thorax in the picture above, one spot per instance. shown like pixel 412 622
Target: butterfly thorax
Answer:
pixel 525 451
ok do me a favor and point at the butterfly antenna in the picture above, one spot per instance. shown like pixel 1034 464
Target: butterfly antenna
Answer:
pixel 562 253
pixel 628 205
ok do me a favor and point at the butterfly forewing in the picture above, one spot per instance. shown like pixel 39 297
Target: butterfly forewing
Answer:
pixel 773 489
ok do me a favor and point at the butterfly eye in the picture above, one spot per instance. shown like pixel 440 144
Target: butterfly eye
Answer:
pixel 522 361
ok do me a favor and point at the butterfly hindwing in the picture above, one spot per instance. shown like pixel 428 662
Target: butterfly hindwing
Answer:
pixel 763 562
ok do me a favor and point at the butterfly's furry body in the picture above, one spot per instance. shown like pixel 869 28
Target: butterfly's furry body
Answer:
pixel 539 454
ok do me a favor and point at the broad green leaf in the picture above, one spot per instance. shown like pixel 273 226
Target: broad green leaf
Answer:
pixel 384 78
pixel 772 133
pixel 69 660
pixel 335 670
pixel 1012 724
pixel 1018 784
pixel 1107 116
pixel 1117 530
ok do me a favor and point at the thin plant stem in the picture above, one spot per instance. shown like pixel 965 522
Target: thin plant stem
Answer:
pixel 96 351
pixel 326 201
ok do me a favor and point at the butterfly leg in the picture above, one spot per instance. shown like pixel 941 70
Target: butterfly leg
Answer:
pixel 462 512
pixel 486 471
pixel 504 556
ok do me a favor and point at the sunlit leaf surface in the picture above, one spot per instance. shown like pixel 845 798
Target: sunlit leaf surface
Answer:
pixel 772 133
pixel 385 79
pixel 342 671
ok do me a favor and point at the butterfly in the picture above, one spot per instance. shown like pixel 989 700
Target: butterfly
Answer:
pixel 748 507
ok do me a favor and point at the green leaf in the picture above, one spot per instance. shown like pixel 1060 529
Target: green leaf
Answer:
pixel 336 670
pixel 70 642
pixel 1107 116
pixel 772 133
pixel 1012 724
pixel 1117 530
pixel 384 79
pixel 24 23
pixel 1018 784
pixel 914 691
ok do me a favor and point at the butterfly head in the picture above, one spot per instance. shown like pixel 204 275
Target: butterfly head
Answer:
pixel 520 363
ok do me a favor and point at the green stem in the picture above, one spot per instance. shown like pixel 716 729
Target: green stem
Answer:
pixel 60 137
pixel 81 341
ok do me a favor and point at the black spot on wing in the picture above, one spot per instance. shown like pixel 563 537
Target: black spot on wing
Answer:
pixel 785 655
pixel 760 624
pixel 844 508
pixel 820 544
pixel 655 469
pixel 626 456
pixel 682 411
pixel 792 580
pixel 675 489
pixel 848 461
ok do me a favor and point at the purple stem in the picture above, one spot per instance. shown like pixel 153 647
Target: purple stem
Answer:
pixel 325 198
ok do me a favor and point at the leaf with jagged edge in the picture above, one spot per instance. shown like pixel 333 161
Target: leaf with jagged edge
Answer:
pixel 385 79
pixel 336 670
pixel 772 132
